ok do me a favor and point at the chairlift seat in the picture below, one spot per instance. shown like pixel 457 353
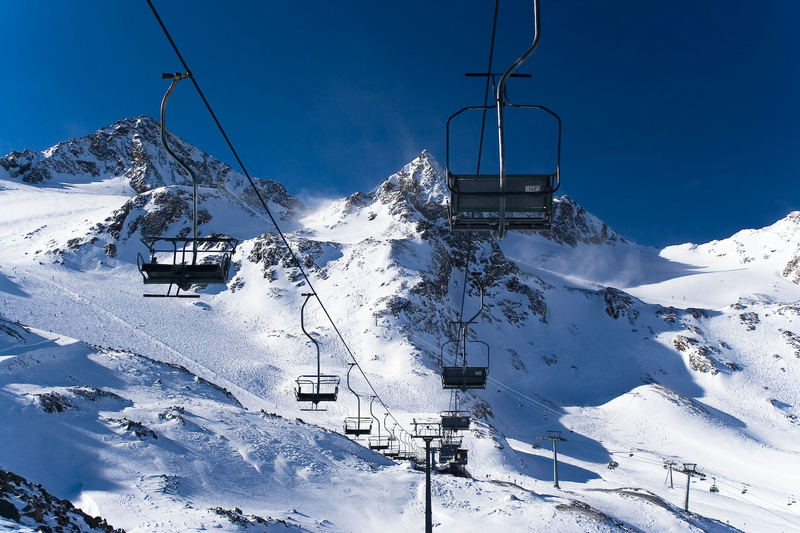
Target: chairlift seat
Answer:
pixel 354 425
pixel 184 276
pixel 378 443
pixel 475 201
pixel 316 389
pixel 186 262
pixel 455 420
pixel 464 377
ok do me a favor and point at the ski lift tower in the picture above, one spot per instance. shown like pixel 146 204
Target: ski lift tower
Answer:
pixel 690 469
pixel 555 437
pixel 427 431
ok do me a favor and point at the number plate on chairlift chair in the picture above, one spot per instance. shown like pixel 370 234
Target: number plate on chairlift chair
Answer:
pixel 533 188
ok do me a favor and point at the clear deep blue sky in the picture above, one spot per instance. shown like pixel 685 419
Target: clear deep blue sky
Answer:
pixel 680 117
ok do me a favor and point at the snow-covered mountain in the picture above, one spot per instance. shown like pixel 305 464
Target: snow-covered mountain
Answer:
pixel 180 414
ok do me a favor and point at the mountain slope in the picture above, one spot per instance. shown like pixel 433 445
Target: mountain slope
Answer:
pixel 586 337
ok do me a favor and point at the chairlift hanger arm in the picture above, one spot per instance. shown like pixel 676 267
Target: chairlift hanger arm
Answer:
pixel 500 102
pixel 175 79
pixel 470 321
pixel 524 57
pixel 373 415
pixel 308 296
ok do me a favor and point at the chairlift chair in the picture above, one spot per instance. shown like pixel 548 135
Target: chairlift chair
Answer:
pixel 454 419
pixel 356 425
pixel 405 452
pixel 394 448
pixel 465 376
pixel 315 388
pixel 502 202
pixel 394 443
pixel 379 442
pixel 184 261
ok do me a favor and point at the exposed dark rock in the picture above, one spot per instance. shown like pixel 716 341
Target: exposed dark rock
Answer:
pixel 93 394
pixel 749 319
pixel 619 303
pixel 595 515
pixel 33 507
pixel 12 329
pixel 236 516
pixel 669 314
pixel 792 269
pixel 699 358
pixel 53 402
pixel 792 340
pixel 8 511
pixel 139 429
pixel 572 225
pixel 697 313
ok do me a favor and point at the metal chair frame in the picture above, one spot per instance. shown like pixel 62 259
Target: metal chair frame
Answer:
pixel 515 198
pixel 319 387
pixel 185 269
pixel 464 376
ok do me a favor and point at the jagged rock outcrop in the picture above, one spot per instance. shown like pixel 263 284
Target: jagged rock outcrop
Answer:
pixel 619 303
pixel 572 225
pixel 131 149
pixel 30 505
pixel 699 358
pixel 792 269
pixel 749 319
pixel 792 340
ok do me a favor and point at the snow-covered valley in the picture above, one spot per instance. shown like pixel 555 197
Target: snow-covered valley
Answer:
pixel 180 415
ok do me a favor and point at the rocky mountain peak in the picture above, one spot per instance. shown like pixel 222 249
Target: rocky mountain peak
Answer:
pixel 423 178
pixel 573 225
pixel 131 148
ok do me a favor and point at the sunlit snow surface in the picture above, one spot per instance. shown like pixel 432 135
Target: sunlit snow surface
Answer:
pixel 617 388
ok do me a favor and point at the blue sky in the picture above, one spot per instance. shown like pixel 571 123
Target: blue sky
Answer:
pixel 680 118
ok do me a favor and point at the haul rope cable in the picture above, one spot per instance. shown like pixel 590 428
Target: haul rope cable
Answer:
pixel 480 147
pixel 480 143
pixel 265 206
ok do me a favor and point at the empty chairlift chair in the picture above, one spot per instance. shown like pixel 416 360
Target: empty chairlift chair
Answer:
pixel 394 448
pixel 458 371
pixel 454 419
pixel 503 201
pixel 315 388
pixel 184 261
pixel 379 442
pixel 356 425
